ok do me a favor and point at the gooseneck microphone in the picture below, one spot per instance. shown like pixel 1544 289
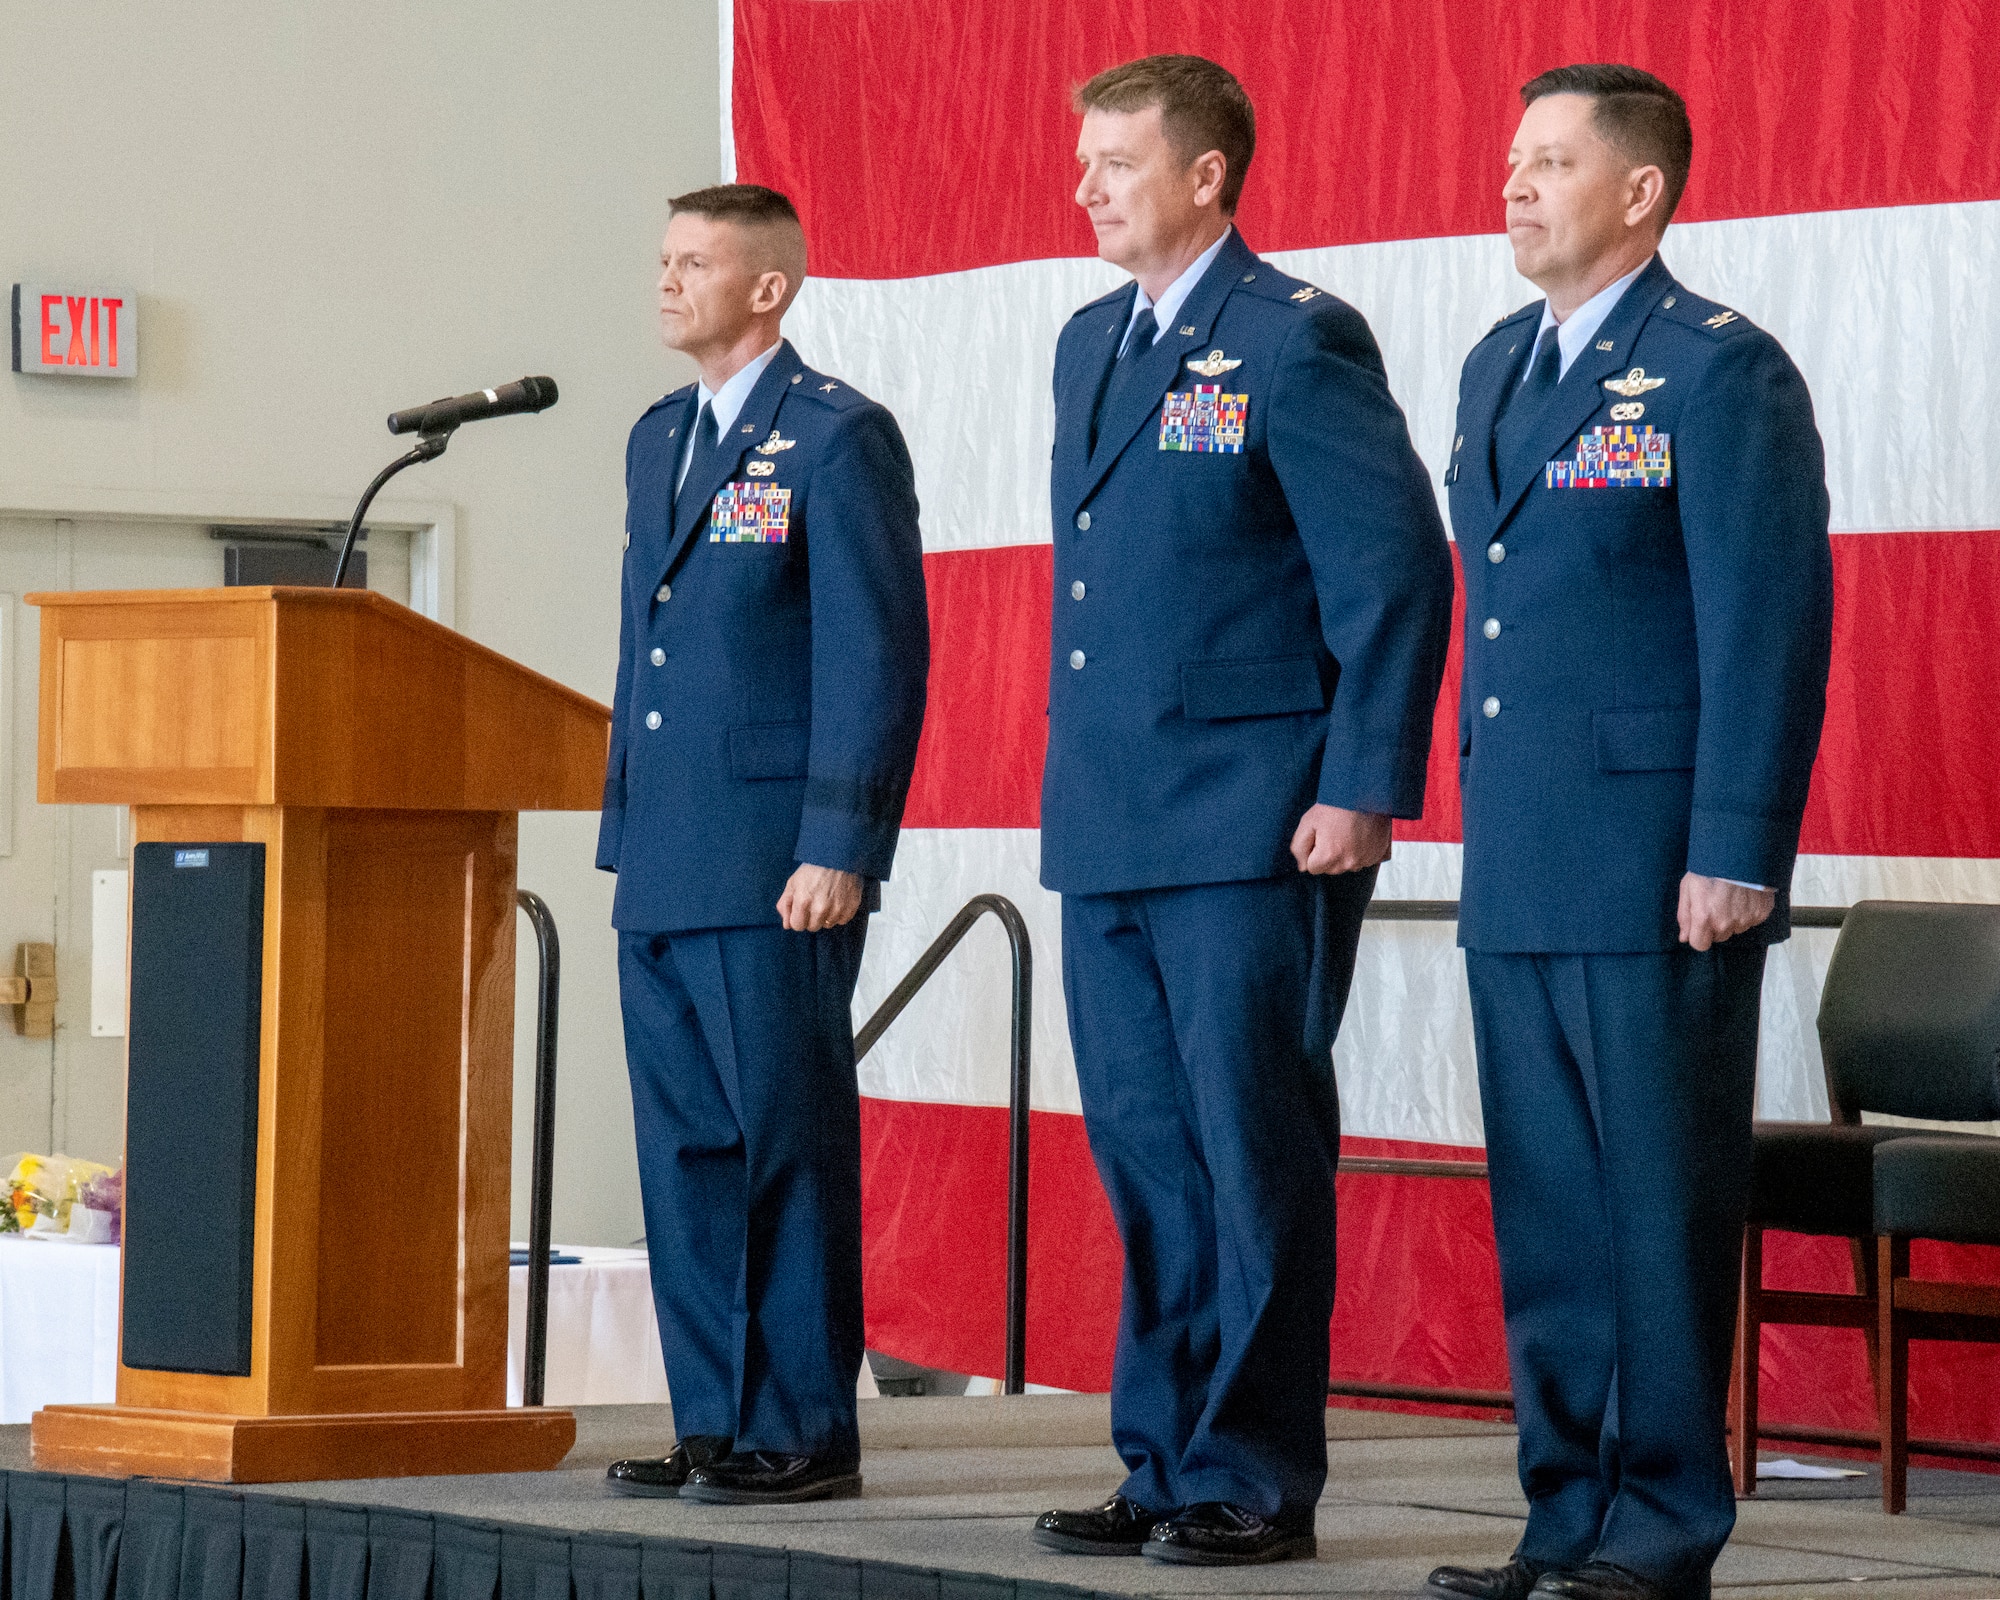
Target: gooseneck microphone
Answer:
pixel 433 424
pixel 510 399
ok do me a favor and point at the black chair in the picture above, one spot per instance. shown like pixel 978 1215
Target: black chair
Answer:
pixel 1909 1026
pixel 1928 1188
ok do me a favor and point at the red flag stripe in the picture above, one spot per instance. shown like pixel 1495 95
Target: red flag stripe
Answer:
pixel 926 136
pixel 1905 767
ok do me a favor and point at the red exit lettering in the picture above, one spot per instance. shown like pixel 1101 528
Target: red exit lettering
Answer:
pixel 75 331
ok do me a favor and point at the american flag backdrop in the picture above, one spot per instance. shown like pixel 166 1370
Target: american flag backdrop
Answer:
pixel 1845 196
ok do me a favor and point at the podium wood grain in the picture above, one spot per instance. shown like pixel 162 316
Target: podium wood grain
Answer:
pixel 380 759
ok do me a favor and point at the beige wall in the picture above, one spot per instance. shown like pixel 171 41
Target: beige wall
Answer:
pixel 330 211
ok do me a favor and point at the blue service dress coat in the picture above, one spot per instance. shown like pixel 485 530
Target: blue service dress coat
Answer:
pixel 1649 595
pixel 1252 588
pixel 1648 627
pixel 1252 605
pixel 773 649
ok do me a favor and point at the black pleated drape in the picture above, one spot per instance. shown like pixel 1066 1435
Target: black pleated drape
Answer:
pixel 104 1539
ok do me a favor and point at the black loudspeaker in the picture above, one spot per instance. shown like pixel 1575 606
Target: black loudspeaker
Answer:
pixel 191 1105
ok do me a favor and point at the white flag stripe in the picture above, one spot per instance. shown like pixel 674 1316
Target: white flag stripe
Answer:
pixel 1405 1050
pixel 1887 312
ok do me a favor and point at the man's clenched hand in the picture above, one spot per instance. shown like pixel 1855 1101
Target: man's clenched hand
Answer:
pixel 819 897
pixel 1329 839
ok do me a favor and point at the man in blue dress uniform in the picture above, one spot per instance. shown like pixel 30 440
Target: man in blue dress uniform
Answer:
pixel 771 667
pixel 1253 596
pixel 1639 495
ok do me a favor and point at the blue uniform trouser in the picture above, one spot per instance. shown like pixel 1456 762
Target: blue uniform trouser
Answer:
pixel 1616 1092
pixel 1203 1022
pixel 748 1119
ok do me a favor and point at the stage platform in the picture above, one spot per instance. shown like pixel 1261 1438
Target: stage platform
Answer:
pixel 951 1487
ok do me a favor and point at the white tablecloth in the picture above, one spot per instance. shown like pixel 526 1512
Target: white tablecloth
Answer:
pixel 604 1344
pixel 59 1328
pixel 58 1324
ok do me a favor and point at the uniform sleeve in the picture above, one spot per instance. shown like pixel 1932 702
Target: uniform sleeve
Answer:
pixel 611 821
pixel 870 646
pixel 1380 563
pixel 1753 504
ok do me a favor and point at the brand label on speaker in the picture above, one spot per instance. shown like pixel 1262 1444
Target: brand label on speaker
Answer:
pixel 190 858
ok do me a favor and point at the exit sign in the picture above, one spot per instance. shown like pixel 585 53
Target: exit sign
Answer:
pixel 76 333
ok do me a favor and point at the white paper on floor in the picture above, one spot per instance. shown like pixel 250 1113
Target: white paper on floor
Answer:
pixel 1788 1468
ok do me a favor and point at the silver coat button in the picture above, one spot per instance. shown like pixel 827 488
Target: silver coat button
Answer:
pixel 1076 590
pixel 1492 629
pixel 1491 706
pixel 653 717
pixel 1076 659
pixel 659 656
pixel 1083 522
pixel 1496 552
pixel 666 592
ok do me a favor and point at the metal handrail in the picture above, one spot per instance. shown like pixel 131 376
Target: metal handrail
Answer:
pixel 1020 1080
pixel 534 1366
pixel 1396 1166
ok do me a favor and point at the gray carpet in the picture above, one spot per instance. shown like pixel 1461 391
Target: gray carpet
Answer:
pixel 953 1483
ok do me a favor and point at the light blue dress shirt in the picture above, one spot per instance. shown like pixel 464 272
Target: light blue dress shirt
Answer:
pixel 1575 331
pixel 726 403
pixel 1176 293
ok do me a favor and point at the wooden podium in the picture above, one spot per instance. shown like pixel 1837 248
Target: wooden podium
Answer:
pixel 378 759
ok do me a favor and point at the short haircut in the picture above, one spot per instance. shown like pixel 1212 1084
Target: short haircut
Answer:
pixel 1202 108
pixel 736 202
pixel 765 211
pixel 1635 113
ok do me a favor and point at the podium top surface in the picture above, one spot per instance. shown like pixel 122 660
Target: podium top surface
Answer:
pixel 313 697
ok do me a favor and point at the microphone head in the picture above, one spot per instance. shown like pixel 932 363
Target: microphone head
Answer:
pixel 541 392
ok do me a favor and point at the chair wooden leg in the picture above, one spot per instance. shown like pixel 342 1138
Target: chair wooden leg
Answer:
pixel 1743 1371
pixel 1892 1390
pixel 1863 1253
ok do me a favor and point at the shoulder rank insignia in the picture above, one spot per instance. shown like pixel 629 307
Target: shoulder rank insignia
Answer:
pixel 774 444
pixel 1719 320
pixel 828 388
pixel 1305 294
pixel 1213 365
pixel 1633 384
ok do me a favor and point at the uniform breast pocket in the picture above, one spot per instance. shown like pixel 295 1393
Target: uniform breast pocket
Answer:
pixel 1215 691
pixel 769 750
pixel 1646 739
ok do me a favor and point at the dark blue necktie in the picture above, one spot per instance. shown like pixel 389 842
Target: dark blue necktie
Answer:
pixel 1137 342
pixel 701 455
pixel 1527 400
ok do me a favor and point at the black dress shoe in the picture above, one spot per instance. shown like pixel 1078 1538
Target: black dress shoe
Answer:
pixel 664 1475
pixel 1511 1582
pixel 1116 1528
pixel 1217 1534
pixel 1599 1580
pixel 770 1478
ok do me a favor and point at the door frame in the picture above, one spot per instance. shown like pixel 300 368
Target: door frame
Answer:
pixel 431 524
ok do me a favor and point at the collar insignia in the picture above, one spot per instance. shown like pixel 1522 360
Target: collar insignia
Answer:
pixel 1720 319
pixel 1633 384
pixel 1214 365
pixel 774 444
pixel 1305 294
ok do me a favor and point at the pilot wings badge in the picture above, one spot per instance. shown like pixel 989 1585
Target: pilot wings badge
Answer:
pixel 1213 365
pixel 1633 384
pixel 774 444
